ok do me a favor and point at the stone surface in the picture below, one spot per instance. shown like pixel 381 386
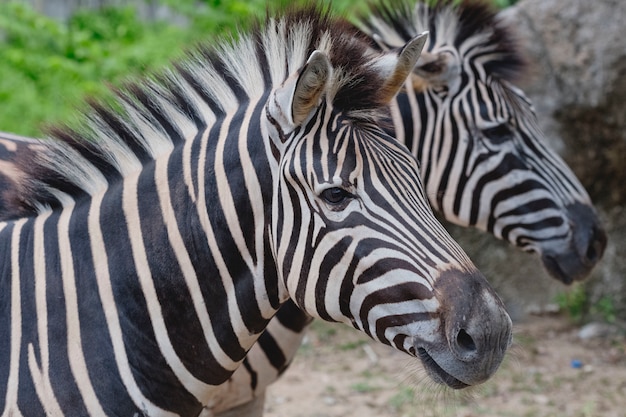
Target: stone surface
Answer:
pixel 577 82
pixel 595 330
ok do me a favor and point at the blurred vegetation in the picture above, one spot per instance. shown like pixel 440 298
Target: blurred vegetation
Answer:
pixel 580 308
pixel 47 66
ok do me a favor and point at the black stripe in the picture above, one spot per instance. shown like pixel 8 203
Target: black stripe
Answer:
pixel 390 321
pixel 178 314
pixel 292 317
pixel 272 350
pixel 61 376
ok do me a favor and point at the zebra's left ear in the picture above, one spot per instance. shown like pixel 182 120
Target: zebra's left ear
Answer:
pixel 396 65
pixel 300 94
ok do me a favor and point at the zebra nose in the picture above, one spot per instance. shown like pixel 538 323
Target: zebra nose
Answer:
pixel 574 260
pixel 476 331
pixel 484 337
pixel 589 236
pixel 484 340
pixel 477 324
pixel 596 245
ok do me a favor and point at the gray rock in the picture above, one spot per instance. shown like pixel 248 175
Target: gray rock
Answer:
pixel 596 330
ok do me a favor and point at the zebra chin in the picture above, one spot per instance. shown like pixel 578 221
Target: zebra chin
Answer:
pixel 575 261
pixel 437 373
pixel 474 334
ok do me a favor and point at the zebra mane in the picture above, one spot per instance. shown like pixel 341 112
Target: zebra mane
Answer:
pixel 150 117
pixel 472 26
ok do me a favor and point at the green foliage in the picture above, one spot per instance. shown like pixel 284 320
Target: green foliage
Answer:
pixel 577 304
pixel 353 344
pixel 363 387
pixel 574 303
pixel 325 331
pixel 503 3
pixel 222 16
pixel 405 396
pixel 47 66
pixel 605 309
pixel 217 16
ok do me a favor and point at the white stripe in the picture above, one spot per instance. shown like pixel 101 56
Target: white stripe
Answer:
pixel 244 67
pixel 101 267
pixel 186 265
pixel 208 120
pixel 275 50
pixel 10 408
pixel 147 131
pixel 41 377
pixel 187 169
pixel 75 352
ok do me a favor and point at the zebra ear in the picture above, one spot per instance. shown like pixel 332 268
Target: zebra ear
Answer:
pixel 395 66
pixel 438 69
pixel 296 98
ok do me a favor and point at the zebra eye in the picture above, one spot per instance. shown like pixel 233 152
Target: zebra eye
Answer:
pixel 335 196
pixel 498 134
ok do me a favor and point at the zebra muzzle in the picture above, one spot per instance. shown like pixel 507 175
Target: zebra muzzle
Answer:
pixel 474 335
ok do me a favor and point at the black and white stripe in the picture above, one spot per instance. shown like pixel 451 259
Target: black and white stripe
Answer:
pixel 483 158
pixel 162 239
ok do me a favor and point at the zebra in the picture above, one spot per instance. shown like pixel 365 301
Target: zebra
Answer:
pixel 483 160
pixel 164 234
pixel 491 66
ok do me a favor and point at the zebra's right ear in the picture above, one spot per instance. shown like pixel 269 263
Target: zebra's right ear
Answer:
pixel 438 69
pixel 294 101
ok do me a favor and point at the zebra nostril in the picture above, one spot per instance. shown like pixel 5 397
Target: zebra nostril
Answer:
pixel 596 247
pixel 465 342
pixel 592 252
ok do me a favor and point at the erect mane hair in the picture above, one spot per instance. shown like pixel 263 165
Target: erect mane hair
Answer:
pixel 454 23
pixel 149 117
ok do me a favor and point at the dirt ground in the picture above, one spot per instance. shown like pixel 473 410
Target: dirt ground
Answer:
pixel 549 372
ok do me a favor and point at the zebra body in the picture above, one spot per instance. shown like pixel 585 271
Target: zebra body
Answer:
pixel 166 237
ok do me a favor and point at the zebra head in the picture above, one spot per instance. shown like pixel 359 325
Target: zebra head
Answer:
pixel 483 158
pixel 352 233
